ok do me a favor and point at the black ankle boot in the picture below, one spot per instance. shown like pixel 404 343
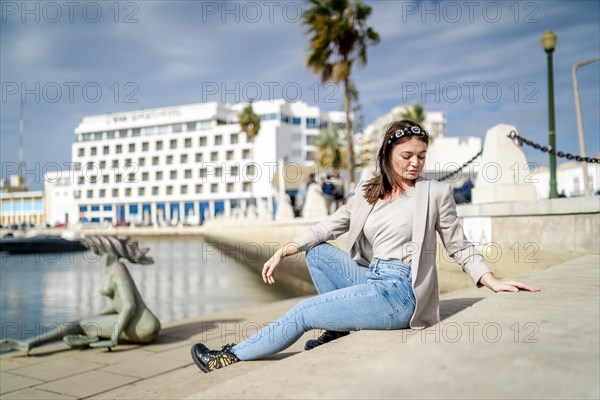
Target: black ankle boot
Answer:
pixel 326 337
pixel 210 360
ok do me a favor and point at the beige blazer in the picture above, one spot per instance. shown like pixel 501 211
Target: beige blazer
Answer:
pixel 435 211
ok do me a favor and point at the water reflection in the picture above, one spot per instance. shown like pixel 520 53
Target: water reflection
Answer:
pixel 38 291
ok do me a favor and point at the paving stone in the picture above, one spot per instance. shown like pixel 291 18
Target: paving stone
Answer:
pixel 52 370
pixel 144 366
pixel 35 394
pixel 10 382
pixel 87 384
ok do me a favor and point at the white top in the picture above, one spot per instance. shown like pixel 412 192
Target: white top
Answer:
pixel 389 228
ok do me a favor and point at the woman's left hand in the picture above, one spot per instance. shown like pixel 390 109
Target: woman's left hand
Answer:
pixel 491 282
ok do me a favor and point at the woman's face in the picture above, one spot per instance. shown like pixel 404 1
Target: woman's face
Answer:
pixel 408 159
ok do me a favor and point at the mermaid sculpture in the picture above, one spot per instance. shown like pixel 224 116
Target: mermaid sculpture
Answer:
pixel 128 319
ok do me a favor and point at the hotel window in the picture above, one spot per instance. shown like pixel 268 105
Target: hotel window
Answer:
pixel 144 176
pixel 127 192
pixel 159 145
pixel 250 169
pixel 89 165
pixel 93 179
pixel 102 193
pixel 218 140
pixel 214 156
pixel 77 194
pixel 310 155
pixel 206 124
pixel 149 130
pixel 296 120
pixel 141 191
pixel 128 163
pixel 218 172
pixel 173 174
pixel 159 175
pixel 183 158
pixel 115 193
pixel 169 189
pixel 123 133
pixel 141 161
pixel 202 141
pixel 118 178
pixel 247 187
pixel 173 144
pixel 245 154
pixel 230 187
pixel 132 147
pixel 191 126
pixel 80 152
pixel 312 123
pixel 202 173
pixel 110 134
pixel 155 160
pixel 90 194
pixel 188 173
pixel 198 157
pixel 86 136
pixel 169 160
pixel 310 140
pixel 229 155
pixel 102 164
pixel 115 164
pixel 80 180
pixel 154 190
pixel 198 188
pixel 105 150
pixel 93 151
pixel 234 170
pixel 131 178
pixel 98 136
pixel 233 139
pixel 176 128
pixel 145 146
pixel 136 132
pixel 119 149
pixel 188 142
pixel 105 178
pixel 163 129
pixel 183 189
pixel 214 187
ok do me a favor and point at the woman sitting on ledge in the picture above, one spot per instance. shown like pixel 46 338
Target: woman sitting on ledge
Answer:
pixel 128 319
pixel 389 279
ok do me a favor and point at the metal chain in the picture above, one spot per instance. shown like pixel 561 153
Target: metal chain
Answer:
pixel 547 149
pixel 448 175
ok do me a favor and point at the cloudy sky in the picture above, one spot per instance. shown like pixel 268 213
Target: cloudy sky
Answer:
pixel 479 62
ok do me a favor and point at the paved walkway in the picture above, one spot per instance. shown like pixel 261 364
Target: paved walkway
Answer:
pixel 505 345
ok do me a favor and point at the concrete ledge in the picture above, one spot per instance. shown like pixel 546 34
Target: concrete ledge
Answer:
pixel 573 205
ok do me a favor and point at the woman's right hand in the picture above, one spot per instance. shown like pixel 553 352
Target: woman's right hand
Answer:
pixel 268 271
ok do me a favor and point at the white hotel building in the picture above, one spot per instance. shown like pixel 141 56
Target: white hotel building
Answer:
pixel 183 163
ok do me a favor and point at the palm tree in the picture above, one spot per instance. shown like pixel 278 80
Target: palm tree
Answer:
pixel 250 125
pixel 414 113
pixel 339 36
pixel 330 153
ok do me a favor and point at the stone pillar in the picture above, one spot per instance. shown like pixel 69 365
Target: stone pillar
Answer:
pixel 504 175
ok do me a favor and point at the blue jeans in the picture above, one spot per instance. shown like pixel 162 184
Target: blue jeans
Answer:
pixel 351 298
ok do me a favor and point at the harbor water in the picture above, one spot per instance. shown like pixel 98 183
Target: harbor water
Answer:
pixel 189 278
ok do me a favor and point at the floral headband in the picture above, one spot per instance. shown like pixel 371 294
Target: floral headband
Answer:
pixel 408 131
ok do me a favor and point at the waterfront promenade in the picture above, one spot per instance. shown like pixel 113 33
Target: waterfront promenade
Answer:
pixel 505 345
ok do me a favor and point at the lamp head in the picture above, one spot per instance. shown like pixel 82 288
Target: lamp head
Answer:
pixel 549 41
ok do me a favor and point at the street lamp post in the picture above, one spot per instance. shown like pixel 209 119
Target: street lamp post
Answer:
pixel 549 43
pixel 586 179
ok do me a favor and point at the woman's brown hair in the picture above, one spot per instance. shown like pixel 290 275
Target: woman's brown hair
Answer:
pixel 383 182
